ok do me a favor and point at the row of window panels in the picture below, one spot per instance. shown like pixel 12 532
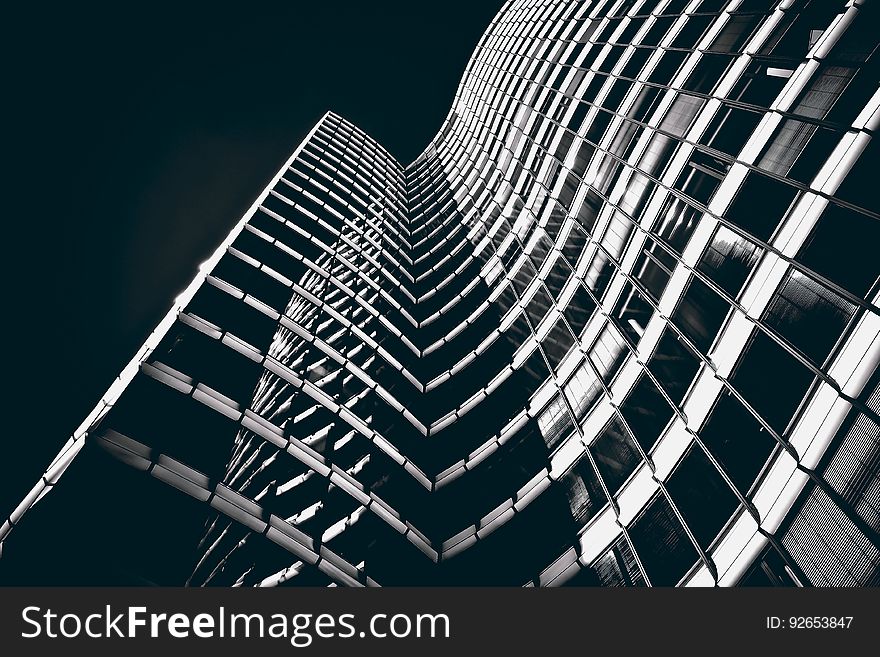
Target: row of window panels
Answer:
pixel 297 235
pixel 231 312
pixel 301 221
pixel 227 544
pixel 711 67
pixel 320 156
pixel 856 44
pixel 674 365
pixel 274 243
pixel 231 315
pixel 835 208
pixel 204 436
pixel 311 264
pixel 784 198
pixel 359 216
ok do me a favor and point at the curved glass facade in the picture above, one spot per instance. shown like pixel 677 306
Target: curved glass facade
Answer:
pixel 617 325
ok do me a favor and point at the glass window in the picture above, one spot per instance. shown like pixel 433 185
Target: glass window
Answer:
pixel 618 566
pixel 681 114
pixel 843 231
pixel 675 223
pixel 737 441
pixel 663 546
pixel 700 314
pixel 579 309
pixel 557 343
pixel 728 260
pixel 554 422
pixel 632 312
pixel 730 129
pixel 582 391
pixel 701 495
pixel 735 33
pixel 654 268
pixel 646 412
pixel 674 365
pixel 708 72
pixel 797 142
pixel 616 455
pixel 771 380
pixel 760 205
pixel 585 495
pixel 808 315
pixel 599 274
pixel 608 352
pixel 617 234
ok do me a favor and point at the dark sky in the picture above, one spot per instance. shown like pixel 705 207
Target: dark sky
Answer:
pixel 136 138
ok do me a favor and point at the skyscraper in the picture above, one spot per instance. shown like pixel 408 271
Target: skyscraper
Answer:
pixel 618 324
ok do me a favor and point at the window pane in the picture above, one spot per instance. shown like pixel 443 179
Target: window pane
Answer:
pixel 700 314
pixel 616 455
pixel 662 544
pixel 646 412
pixel 674 365
pixel 618 566
pixel 737 440
pixel 760 205
pixel 728 260
pixel 585 495
pixel 771 380
pixel 842 231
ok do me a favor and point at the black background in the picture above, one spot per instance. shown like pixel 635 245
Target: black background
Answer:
pixel 137 135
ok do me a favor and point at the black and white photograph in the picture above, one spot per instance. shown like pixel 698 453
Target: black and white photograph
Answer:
pixel 512 295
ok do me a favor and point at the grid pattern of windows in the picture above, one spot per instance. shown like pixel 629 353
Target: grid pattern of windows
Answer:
pixel 616 311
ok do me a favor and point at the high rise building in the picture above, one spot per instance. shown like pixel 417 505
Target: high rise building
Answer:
pixel 617 325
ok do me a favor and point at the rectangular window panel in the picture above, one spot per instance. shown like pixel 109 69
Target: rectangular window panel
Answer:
pixel 830 549
pixel 701 495
pixel 557 343
pixel 554 422
pixel 809 315
pixel 608 352
pixel 599 273
pixel 662 544
pixel 579 309
pixel 675 223
pixel 843 231
pixel 760 205
pixel 632 312
pixel 582 391
pixel 616 455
